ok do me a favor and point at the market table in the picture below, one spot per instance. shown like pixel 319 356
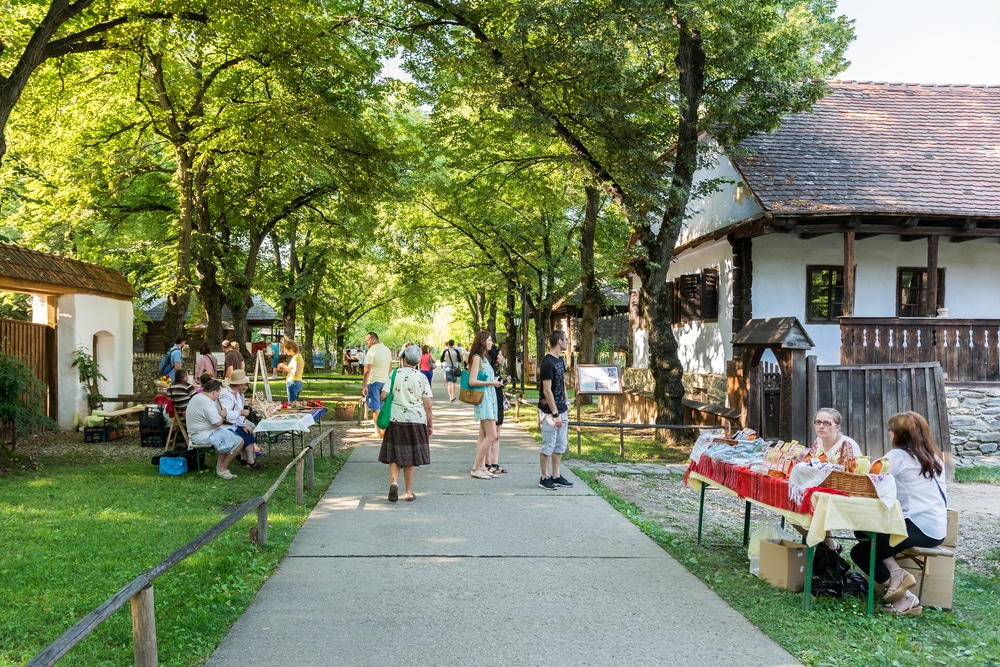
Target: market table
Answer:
pixel 829 512
pixel 295 423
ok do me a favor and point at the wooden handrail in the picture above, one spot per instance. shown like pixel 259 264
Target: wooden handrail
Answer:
pixel 139 590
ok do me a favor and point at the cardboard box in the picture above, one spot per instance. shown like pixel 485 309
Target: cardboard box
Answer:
pixel 939 567
pixel 937 591
pixel 951 539
pixel 783 564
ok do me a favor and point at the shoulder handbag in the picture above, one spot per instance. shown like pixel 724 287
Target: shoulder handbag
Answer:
pixel 467 394
pixel 385 412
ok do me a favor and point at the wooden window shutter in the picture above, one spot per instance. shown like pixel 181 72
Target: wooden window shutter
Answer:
pixel 710 295
pixel 675 304
pixel 690 296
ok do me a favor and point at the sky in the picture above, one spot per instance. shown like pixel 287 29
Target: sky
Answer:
pixel 924 41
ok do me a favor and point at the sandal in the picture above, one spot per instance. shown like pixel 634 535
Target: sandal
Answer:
pixel 256 465
pixel 912 609
pixel 393 493
pixel 496 469
pixel 225 474
pixel 482 473
pixel 410 497
pixel 908 582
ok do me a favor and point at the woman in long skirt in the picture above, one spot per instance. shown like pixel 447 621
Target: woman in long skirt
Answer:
pixel 406 443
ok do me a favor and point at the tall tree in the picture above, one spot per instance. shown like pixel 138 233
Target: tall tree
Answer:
pixel 620 84
pixel 42 31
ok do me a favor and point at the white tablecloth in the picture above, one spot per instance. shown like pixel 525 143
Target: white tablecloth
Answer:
pixel 285 423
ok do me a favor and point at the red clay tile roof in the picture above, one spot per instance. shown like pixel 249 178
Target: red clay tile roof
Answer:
pixel 883 148
pixel 41 273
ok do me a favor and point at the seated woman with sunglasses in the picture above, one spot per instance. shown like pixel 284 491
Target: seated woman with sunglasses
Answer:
pixel 831 446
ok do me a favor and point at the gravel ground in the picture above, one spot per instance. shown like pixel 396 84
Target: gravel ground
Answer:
pixel 660 492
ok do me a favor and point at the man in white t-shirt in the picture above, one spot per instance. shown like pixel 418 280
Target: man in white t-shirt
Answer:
pixel 206 425
pixel 378 361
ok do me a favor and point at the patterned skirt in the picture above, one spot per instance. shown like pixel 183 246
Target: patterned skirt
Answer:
pixel 405 444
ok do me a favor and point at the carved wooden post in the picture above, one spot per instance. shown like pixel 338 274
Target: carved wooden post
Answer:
pixel 144 628
pixel 299 472
pixel 262 524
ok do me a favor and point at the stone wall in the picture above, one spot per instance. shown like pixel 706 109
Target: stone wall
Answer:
pixel 974 421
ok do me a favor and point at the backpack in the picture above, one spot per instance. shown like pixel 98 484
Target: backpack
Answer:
pixel 165 362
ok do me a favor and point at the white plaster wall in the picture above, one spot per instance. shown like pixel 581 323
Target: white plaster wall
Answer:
pixel 972 273
pixel 80 317
pixel 704 347
pixel 732 203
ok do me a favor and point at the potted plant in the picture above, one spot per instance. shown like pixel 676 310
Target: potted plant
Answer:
pixel 89 374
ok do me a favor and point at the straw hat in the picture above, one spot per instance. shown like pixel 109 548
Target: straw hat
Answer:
pixel 238 376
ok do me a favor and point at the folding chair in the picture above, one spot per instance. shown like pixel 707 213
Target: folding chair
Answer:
pixel 176 428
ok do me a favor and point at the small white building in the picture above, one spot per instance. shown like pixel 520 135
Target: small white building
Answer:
pixel 75 305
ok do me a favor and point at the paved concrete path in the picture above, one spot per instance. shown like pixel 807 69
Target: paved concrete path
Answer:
pixel 481 572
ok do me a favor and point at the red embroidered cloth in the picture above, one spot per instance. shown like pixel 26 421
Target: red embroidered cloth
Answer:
pixel 757 486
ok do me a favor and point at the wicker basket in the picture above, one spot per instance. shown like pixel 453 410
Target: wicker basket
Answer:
pixel 851 484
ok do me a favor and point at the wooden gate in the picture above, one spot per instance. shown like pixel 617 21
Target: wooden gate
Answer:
pixel 768 375
pixel 868 395
pixel 34 344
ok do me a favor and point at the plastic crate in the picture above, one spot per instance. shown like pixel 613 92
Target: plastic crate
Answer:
pixel 151 417
pixel 100 433
pixel 153 436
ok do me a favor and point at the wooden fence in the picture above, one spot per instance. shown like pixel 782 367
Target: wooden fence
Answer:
pixel 967 350
pixel 139 591
pixel 34 344
pixel 868 395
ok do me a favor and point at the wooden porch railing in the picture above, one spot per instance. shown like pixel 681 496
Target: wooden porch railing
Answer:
pixel 968 350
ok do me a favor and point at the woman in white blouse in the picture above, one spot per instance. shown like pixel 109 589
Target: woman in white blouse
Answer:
pixel 915 463
pixel 406 443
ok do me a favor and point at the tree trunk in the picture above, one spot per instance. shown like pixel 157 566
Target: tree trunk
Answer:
pixel 180 296
pixel 206 264
pixel 308 334
pixel 656 297
pixel 589 293
pixel 513 309
pixel 542 313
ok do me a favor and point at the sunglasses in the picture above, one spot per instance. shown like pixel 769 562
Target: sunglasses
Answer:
pixel 822 423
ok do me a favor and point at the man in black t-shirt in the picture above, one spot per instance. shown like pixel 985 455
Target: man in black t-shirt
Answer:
pixel 554 412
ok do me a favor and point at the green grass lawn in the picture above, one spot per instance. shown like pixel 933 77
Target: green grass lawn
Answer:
pixel 77 529
pixel 985 474
pixel 834 632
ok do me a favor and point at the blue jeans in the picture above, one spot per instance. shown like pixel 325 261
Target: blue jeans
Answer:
pixel 248 438
pixel 294 389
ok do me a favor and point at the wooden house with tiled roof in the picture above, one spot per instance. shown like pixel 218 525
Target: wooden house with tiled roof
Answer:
pixel 261 315
pixel 74 305
pixel 873 219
